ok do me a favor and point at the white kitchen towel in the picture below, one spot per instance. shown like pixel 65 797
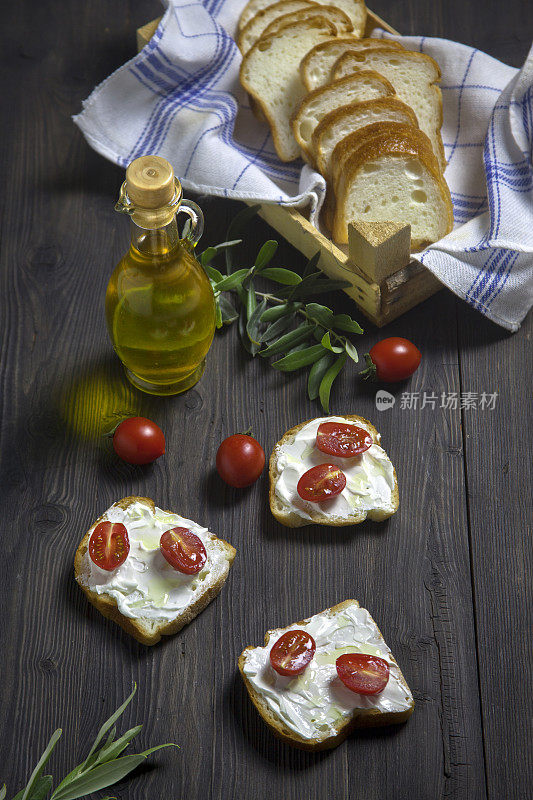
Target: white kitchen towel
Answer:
pixel 180 98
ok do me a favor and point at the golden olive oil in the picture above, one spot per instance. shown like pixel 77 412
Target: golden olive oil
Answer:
pixel 160 308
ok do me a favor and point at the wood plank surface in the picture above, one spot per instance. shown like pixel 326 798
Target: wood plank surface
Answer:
pixel 447 578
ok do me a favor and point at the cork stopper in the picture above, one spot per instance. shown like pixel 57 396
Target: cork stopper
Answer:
pixel 151 188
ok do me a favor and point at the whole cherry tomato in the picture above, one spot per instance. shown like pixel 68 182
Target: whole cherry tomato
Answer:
pixel 240 460
pixel 339 439
pixel 292 652
pixel 363 673
pixel 109 545
pixel 392 360
pixel 138 440
pixel 183 550
pixel 321 482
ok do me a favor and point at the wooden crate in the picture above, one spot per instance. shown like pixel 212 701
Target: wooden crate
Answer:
pixel 386 282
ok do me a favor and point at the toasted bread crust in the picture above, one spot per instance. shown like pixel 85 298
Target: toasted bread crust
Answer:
pixel 379 104
pixel 292 520
pixel 337 17
pixel 107 605
pixel 261 14
pixel 361 718
pixel 328 31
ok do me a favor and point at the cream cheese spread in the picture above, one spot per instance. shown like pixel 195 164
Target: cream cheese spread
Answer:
pixel 370 478
pixel 313 703
pixel 145 585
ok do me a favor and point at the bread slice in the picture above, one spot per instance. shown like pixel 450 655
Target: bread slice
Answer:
pixel 139 513
pixel 315 711
pixel 355 9
pixel 339 19
pixel 415 77
pixel 367 85
pixel 269 72
pixel 257 24
pixel 316 66
pixel 336 125
pixel 290 510
pixel 394 176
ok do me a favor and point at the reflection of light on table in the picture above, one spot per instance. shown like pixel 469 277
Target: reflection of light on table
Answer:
pixel 94 403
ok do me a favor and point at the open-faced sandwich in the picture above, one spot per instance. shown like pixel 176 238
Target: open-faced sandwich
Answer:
pixel 332 471
pixel 150 571
pixel 317 680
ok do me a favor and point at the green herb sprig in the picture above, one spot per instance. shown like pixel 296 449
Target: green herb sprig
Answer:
pixel 283 324
pixel 100 769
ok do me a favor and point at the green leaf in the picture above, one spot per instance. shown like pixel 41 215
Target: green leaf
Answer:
pixel 319 287
pixel 231 281
pixel 322 314
pixel 300 359
pixel 327 381
pixel 214 274
pixel 274 313
pixel 246 343
pixel 294 292
pixel 235 228
pixel 218 316
pixel 283 276
pixel 207 256
pixel 225 245
pixel 290 339
pixel 228 311
pixel 109 723
pixel 277 328
pixel 3 792
pixel 251 302
pixel 265 255
pixel 103 775
pixel 326 342
pixel 35 777
pixel 316 373
pixel 345 323
pixel 253 325
pixel 114 749
pixel 311 264
pixel 352 352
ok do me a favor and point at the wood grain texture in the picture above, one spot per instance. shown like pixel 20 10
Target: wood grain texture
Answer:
pixel 446 578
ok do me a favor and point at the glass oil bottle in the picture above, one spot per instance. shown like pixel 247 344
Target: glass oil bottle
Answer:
pixel 160 309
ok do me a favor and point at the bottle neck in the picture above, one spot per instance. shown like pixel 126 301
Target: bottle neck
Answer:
pixel 155 241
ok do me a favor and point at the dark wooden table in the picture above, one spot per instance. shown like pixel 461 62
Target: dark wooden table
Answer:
pixel 446 578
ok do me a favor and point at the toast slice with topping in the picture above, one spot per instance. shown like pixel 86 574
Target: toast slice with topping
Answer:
pixel 145 595
pixel 371 484
pixel 315 710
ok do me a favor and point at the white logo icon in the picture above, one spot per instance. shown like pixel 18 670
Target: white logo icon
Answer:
pixel 384 400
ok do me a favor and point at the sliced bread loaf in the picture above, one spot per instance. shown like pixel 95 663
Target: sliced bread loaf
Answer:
pixel 415 78
pixel 355 9
pixel 394 176
pixel 316 66
pixel 269 72
pixel 336 125
pixel 365 85
pixel 257 24
pixel 339 19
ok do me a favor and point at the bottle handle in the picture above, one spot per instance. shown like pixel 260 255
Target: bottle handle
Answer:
pixel 195 228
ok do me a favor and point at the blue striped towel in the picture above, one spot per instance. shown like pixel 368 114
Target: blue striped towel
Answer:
pixel 180 98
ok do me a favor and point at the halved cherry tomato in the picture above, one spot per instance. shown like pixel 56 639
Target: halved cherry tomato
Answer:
pixel 363 673
pixel 321 482
pixel 240 460
pixel 183 550
pixel 339 439
pixel 292 652
pixel 109 545
pixel 138 440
